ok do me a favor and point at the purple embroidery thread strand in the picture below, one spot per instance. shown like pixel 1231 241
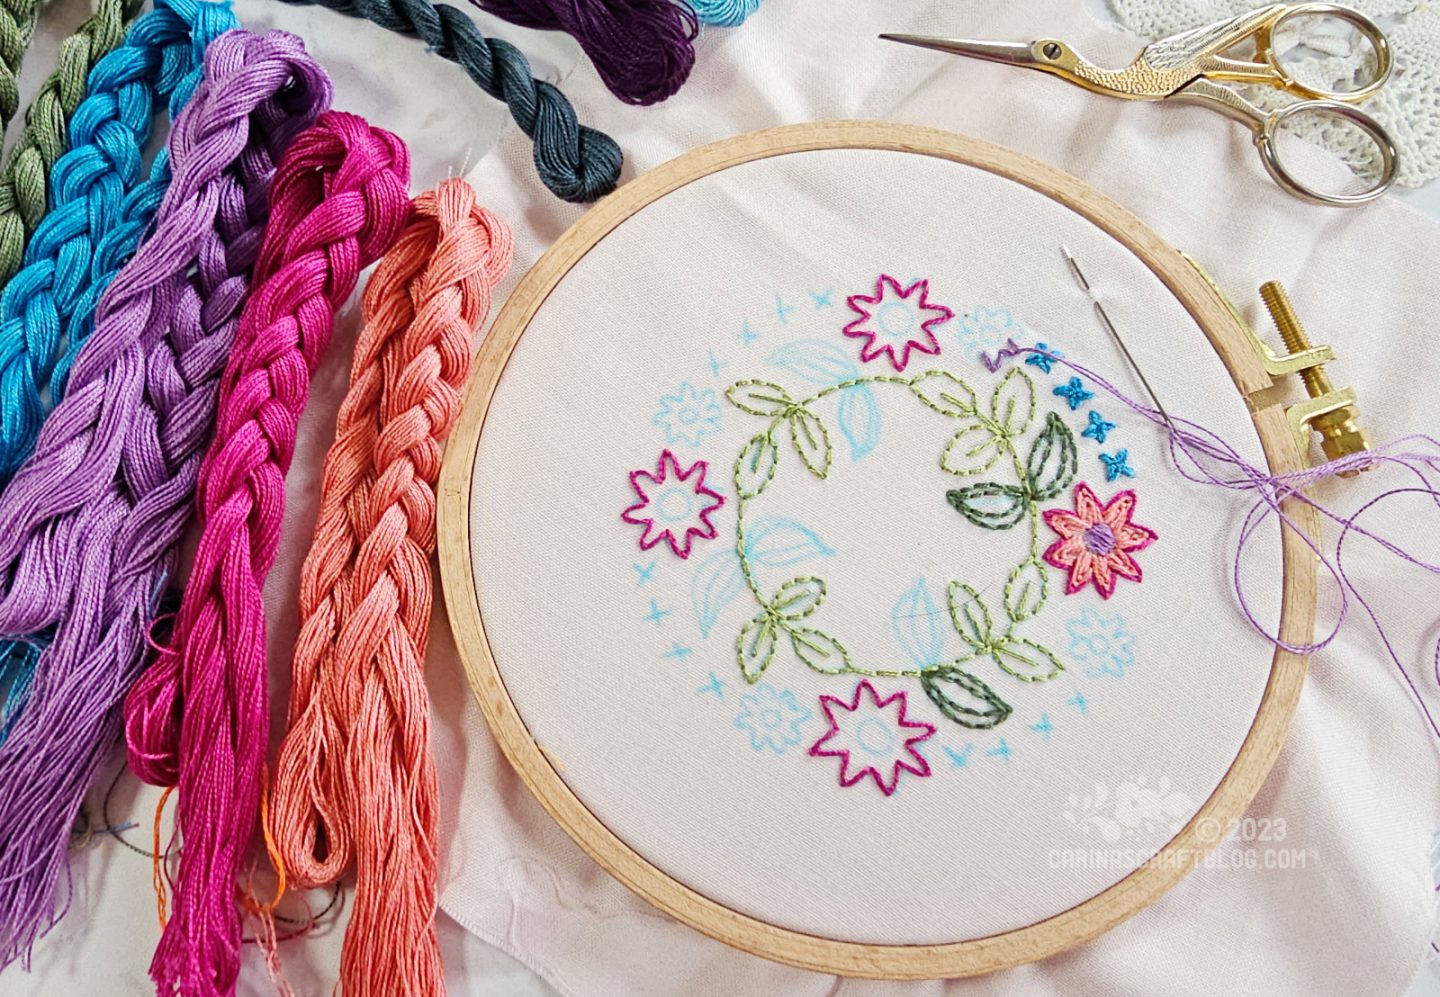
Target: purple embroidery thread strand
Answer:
pixel 1192 439
pixel 90 524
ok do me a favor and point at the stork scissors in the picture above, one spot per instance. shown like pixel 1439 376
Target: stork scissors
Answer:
pixel 1191 67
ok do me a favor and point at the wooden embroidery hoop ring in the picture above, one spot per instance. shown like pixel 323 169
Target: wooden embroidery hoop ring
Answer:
pixel 966 958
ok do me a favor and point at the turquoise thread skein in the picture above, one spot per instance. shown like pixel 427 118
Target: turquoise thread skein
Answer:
pixel 101 210
pixel 724 13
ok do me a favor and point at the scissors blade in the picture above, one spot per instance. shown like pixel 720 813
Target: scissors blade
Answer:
pixel 1009 53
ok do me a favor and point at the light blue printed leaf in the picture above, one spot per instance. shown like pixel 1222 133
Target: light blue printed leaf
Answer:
pixel 816 361
pixel 859 418
pixel 718 580
pixel 918 625
pixel 775 542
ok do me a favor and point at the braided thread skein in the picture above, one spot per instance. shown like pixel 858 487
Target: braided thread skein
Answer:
pixel 98 217
pixel 724 13
pixel 43 140
pixel 338 201
pixel 576 163
pixel 355 776
pixel 90 525
pixel 17 26
pixel 642 49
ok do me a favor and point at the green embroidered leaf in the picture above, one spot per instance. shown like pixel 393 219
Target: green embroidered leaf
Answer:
pixel 1027 660
pixel 1013 403
pixel 964 698
pixel 755 467
pixel 1052 462
pixel 759 398
pixel 820 651
pixel 798 598
pixel 945 393
pixel 973 450
pixel 755 647
pixel 812 441
pixel 970 615
pixel 990 505
pixel 1026 590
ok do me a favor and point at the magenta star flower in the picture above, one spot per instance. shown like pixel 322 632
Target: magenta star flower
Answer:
pixel 872 736
pixel 674 505
pixel 1096 541
pixel 896 320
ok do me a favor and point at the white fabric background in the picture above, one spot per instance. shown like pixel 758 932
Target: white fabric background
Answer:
pixel 1356 782
pixel 962 854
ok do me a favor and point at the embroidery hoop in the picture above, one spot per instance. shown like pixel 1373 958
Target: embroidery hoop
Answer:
pixel 1043 938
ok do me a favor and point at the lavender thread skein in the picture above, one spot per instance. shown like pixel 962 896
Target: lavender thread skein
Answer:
pixel 642 49
pixel 92 519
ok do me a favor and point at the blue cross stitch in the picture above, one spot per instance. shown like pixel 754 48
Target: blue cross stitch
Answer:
pixel 1073 391
pixel 1117 465
pixel 1045 363
pixel 1098 428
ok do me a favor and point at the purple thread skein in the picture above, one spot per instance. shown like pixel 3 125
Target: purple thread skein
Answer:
pixel 92 520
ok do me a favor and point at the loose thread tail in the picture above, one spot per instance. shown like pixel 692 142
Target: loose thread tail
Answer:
pixel 576 163
pixel 158 873
pixel 23 198
pixel 337 203
pixel 642 49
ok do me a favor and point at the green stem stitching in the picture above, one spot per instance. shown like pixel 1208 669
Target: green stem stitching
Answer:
pixel 978 445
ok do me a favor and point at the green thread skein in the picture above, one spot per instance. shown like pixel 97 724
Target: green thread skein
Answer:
pixel 25 176
pixel 17 24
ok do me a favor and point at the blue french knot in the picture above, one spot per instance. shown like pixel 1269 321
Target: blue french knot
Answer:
pixel 74 253
pixel 1117 465
pixel 1098 428
pixel 1045 361
pixel 1073 391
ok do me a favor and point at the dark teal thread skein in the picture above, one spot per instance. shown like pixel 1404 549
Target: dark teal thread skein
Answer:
pixel 642 49
pixel 576 163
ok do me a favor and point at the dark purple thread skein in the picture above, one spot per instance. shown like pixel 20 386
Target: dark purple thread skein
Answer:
pixel 642 49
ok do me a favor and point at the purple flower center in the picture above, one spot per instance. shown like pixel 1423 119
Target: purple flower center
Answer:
pixel 1099 539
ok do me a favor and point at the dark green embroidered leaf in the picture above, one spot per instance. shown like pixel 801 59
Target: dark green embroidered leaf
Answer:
pixel 755 467
pixel 964 698
pixel 1013 403
pixel 820 651
pixel 755 647
pixel 945 393
pixel 1026 590
pixel 759 398
pixel 812 441
pixel 1027 660
pixel 991 505
pixel 1052 462
pixel 973 450
pixel 970 615
pixel 798 598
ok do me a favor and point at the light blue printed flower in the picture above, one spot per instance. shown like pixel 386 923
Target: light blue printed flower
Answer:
pixel 1101 643
pixel 688 416
pixel 985 330
pixel 771 717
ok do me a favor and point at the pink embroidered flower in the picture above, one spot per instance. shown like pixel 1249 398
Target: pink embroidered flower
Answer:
pixel 895 321
pixel 674 505
pixel 872 736
pixel 1096 541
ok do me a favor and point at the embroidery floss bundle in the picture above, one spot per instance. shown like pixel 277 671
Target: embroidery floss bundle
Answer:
pixel 576 163
pixel 17 27
pixel 90 524
pixel 199 717
pixel 355 776
pixel 642 49
pixel 724 13
pixel 23 199
pixel 98 217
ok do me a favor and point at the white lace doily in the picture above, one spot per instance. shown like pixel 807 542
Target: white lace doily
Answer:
pixel 1408 106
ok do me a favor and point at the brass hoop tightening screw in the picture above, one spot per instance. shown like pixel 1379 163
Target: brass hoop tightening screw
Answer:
pixel 1339 429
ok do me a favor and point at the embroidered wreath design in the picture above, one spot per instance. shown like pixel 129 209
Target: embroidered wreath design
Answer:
pixel 982 439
